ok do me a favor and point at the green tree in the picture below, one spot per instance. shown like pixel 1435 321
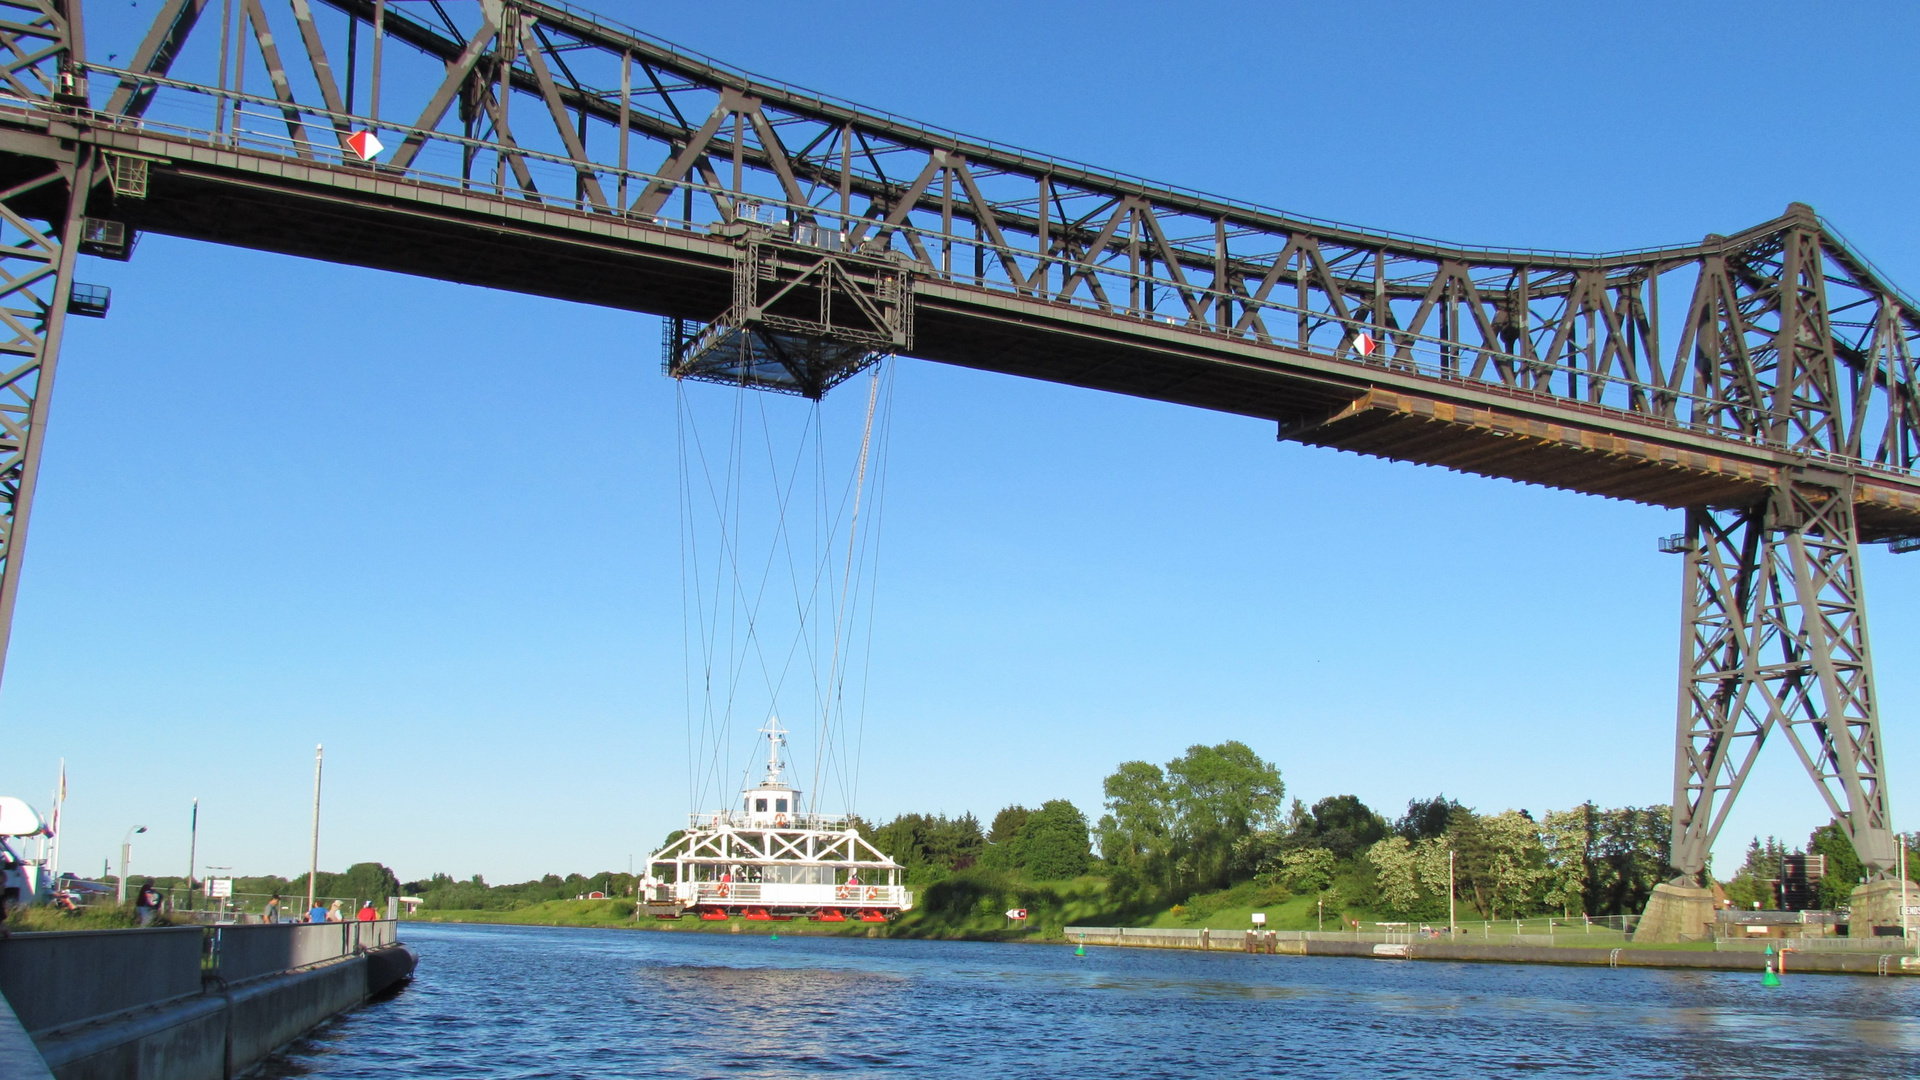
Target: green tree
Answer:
pixel 1566 837
pixel 1052 844
pixel 998 853
pixel 1629 857
pixel 1344 825
pixel 1473 865
pixel 1517 862
pixel 1844 868
pixel 1136 832
pixel 1754 885
pixel 369 881
pixel 1307 870
pixel 1426 819
pixel 931 845
pixel 1431 858
pixel 1397 874
pixel 1006 824
pixel 1220 795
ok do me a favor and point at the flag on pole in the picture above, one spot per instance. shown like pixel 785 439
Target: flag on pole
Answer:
pixel 1363 343
pixel 365 144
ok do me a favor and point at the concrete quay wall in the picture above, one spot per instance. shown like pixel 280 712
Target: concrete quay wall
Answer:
pixel 181 1019
pixel 1849 961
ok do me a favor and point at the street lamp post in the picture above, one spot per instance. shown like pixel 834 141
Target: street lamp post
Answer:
pixel 126 854
pixel 193 850
pixel 313 855
pixel 1453 929
pixel 1906 929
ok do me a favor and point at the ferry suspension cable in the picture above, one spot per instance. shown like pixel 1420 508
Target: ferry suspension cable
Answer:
pixel 764 593
pixel 836 686
pixel 747 466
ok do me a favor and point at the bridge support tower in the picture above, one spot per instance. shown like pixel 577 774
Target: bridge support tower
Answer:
pixel 1773 643
pixel 43 226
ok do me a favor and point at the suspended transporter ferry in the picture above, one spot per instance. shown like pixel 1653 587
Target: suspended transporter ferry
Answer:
pixel 765 859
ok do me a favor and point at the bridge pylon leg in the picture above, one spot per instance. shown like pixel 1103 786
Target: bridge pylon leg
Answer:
pixel 42 226
pixel 1774 638
pixel 41 223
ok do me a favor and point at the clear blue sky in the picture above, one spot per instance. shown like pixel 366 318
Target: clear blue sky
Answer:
pixel 435 527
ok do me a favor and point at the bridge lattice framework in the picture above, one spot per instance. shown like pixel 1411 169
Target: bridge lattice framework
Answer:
pixel 1762 381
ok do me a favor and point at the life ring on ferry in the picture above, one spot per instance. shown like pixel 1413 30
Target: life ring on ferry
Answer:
pixel 779 821
pixel 723 890
pixel 873 893
pixel 846 892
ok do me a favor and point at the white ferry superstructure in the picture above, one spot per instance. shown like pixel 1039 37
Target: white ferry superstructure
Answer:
pixel 766 860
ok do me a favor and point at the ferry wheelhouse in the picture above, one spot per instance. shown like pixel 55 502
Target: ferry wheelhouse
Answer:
pixel 766 859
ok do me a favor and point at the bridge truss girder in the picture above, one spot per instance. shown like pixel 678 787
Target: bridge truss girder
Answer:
pixel 1780 335
pixel 1774 643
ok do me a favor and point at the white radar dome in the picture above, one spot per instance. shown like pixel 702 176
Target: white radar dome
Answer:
pixel 18 819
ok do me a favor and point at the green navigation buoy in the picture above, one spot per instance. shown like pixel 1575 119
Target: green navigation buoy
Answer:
pixel 1772 977
pixel 776 937
pixel 1081 949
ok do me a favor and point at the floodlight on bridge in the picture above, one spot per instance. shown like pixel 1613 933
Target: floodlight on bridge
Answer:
pixel 1904 545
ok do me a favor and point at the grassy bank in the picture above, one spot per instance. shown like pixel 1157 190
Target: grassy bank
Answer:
pixel 971 905
pixel 619 915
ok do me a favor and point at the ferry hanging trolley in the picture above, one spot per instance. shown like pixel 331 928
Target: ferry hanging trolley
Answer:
pixel 766 859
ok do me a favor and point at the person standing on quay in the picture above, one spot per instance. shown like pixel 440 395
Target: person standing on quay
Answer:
pixel 334 914
pixel 273 910
pixel 366 912
pixel 316 913
pixel 147 903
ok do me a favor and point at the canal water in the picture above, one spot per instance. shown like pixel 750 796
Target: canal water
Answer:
pixel 549 1002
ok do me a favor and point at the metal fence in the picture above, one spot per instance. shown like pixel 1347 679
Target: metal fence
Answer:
pixel 237 908
pixel 1814 944
pixel 242 952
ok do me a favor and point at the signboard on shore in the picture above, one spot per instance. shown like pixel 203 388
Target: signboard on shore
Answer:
pixel 219 888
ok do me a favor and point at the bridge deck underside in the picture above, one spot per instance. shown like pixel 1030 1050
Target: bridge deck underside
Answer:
pixel 366 218
pixel 1490 442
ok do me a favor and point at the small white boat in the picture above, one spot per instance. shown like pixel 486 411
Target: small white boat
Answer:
pixel 765 859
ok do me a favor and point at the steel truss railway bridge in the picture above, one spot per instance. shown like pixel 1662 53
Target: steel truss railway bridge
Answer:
pixel 1763 382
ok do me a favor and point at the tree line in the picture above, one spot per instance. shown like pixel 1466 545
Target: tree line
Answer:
pixel 1216 818
pixel 1212 819
pixel 1051 843
pixel 1756 883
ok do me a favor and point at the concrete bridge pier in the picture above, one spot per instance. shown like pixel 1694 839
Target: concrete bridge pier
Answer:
pixel 1876 907
pixel 1677 911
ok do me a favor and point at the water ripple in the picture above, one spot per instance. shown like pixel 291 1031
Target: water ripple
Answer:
pixel 532 1002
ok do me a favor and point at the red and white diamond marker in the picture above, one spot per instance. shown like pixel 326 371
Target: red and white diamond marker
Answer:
pixel 364 144
pixel 1363 343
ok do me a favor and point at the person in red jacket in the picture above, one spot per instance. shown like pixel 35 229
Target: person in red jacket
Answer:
pixel 366 912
